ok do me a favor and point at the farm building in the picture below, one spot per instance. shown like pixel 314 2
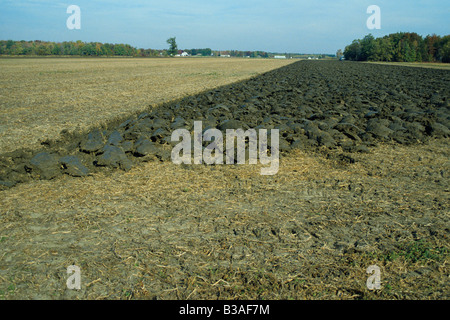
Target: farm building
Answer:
pixel 183 54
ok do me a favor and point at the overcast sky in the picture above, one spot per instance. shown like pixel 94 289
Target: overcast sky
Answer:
pixel 275 26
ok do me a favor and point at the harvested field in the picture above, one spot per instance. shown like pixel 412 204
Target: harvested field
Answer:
pixel 41 97
pixel 434 65
pixel 363 180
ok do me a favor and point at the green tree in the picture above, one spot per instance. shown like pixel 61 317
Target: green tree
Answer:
pixel 43 50
pixel 9 44
pixel 385 49
pixel 444 49
pixel 17 49
pixel 119 50
pixel 367 48
pixel 56 50
pixel 353 51
pixel 173 48
pixel 107 49
pixel 409 53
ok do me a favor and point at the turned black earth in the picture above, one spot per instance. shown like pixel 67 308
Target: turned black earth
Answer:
pixel 329 104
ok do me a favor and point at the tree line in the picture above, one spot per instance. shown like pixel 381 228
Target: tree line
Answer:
pixel 251 54
pixel 80 48
pixel 400 47
pixel 70 48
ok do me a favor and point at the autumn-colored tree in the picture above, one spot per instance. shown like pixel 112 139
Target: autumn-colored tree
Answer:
pixel 431 45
